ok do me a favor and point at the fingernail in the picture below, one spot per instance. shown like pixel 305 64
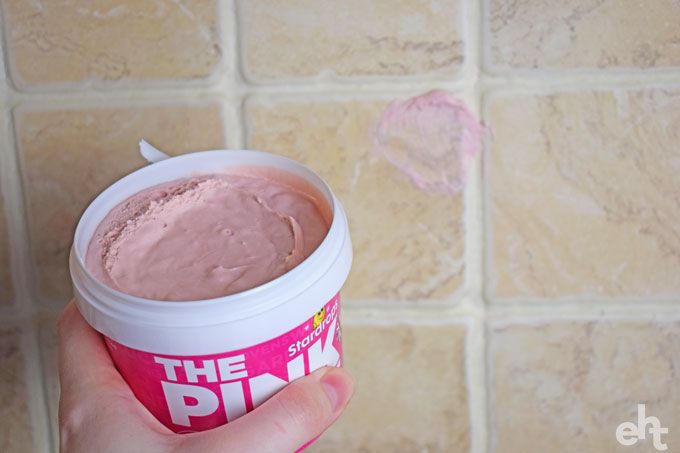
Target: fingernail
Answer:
pixel 335 385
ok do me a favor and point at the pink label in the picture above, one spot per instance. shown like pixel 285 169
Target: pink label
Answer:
pixel 195 393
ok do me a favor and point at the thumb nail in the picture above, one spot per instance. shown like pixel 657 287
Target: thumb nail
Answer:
pixel 338 387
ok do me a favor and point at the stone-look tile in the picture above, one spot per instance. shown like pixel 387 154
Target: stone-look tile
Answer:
pixel 6 287
pixel 571 34
pixel 47 335
pixel 410 395
pixel 15 424
pixel 566 386
pixel 583 194
pixel 408 244
pixel 52 42
pixel 306 38
pixel 68 156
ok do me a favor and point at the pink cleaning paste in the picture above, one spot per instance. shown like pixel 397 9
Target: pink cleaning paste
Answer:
pixel 432 139
pixel 207 236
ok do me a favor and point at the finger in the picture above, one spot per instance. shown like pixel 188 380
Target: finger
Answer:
pixel 84 363
pixel 96 406
pixel 297 414
pixel 300 412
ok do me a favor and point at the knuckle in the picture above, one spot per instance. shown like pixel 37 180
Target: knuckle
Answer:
pixel 305 406
pixel 71 421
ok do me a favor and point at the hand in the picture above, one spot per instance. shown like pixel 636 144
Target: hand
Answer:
pixel 99 412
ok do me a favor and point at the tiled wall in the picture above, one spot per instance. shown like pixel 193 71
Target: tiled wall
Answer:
pixel 530 313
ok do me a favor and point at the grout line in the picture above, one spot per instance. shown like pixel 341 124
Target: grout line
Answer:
pixel 45 359
pixel 381 315
pixel 11 187
pixel 36 388
pixel 236 89
pixel 387 318
pixel 4 54
pixel 469 18
pixel 243 121
pixel 398 312
pixel 227 23
pixel 476 373
pixel 236 82
pixel 473 208
pixel 490 418
pixel 646 318
pixel 230 114
pixel 469 304
pixel 581 300
pixel 239 65
pixel 489 279
pixel 232 125
pixel 10 193
pixel 240 84
pixel 466 76
pixel 476 369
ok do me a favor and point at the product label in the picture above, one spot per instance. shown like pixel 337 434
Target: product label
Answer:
pixel 195 393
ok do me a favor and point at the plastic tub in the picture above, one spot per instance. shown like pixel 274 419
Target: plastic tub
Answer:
pixel 199 364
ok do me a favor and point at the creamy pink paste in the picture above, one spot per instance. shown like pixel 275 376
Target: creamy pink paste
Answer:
pixel 432 139
pixel 207 236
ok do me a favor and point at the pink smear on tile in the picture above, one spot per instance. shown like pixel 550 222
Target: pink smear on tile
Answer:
pixel 432 139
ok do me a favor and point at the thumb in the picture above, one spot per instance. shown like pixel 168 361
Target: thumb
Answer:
pixel 297 414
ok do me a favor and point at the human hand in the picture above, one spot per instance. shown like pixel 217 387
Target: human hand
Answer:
pixel 99 412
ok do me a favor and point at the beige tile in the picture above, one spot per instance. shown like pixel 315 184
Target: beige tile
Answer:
pixel 306 38
pixel 408 243
pixel 410 395
pixel 52 42
pixel 6 287
pixel 47 337
pixel 560 34
pixel 566 386
pixel 15 422
pixel 68 156
pixel 583 194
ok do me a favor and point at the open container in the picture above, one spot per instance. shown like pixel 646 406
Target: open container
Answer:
pixel 198 364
